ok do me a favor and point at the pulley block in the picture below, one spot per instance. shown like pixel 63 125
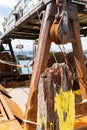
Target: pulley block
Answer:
pixel 61 32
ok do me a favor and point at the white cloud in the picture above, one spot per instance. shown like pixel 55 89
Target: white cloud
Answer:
pixel 8 3
pixel 68 47
pixel 84 43
pixel 57 48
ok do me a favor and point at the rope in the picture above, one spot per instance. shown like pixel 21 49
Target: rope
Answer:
pixel 64 53
pixel 54 57
pixel 13 64
pixel 30 122
pixel 64 99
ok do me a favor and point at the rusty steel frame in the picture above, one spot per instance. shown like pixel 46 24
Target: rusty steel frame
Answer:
pixel 79 60
pixel 41 60
pixel 8 42
pixel 40 64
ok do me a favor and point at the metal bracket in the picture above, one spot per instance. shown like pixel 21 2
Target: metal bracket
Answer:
pixel 72 11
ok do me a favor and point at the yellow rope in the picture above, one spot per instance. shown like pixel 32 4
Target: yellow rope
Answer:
pixel 78 92
pixel 64 102
pixel 64 106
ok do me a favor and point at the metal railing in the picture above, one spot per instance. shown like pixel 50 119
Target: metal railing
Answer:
pixel 22 8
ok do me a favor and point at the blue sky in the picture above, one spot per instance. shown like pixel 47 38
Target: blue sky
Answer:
pixel 5 8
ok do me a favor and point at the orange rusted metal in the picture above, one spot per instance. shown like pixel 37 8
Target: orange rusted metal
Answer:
pixel 76 43
pixel 81 123
pixel 7 71
pixel 41 60
pixel 79 59
pixel 48 33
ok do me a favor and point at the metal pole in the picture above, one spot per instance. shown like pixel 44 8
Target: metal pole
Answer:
pixel 40 64
pixel 79 59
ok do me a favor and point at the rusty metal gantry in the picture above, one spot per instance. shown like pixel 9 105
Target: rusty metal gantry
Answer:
pixel 42 54
pixel 41 58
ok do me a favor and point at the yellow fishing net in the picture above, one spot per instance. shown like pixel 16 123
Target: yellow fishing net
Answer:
pixel 56 103
pixel 64 105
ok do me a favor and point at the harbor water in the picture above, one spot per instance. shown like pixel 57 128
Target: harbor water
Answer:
pixel 28 68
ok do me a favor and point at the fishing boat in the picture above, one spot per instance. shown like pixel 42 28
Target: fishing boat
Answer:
pixel 57 97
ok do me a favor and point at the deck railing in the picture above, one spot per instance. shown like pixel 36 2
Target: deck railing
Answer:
pixel 22 8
